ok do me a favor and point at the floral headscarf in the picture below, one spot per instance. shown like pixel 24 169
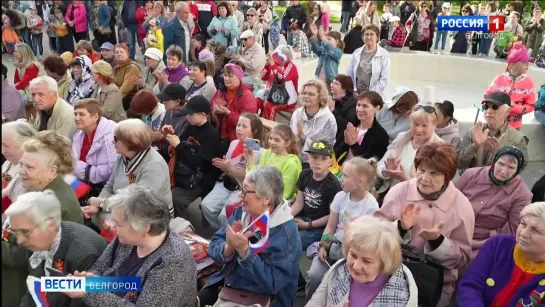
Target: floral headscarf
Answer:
pixel 82 88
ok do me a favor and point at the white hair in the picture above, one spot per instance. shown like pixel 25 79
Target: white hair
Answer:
pixel 22 131
pixel 48 81
pixel 536 209
pixel 39 206
pixel 180 5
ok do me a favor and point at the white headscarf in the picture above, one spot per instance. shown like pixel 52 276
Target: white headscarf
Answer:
pixel 82 88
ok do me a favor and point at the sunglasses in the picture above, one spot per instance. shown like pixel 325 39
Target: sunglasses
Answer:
pixel 427 109
pixel 485 106
pixel 250 15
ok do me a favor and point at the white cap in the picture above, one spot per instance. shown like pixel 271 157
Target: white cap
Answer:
pixel 446 5
pixel 247 34
pixel 394 18
pixel 154 53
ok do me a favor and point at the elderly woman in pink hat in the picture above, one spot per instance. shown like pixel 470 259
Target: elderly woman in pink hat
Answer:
pixel 518 85
pixel 228 103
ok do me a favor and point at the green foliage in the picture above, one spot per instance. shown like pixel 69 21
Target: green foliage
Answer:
pixel 281 9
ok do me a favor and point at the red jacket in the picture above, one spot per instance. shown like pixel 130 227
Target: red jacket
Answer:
pixel 94 56
pixel 195 12
pixel 141 13
pixel 286 74
pixel 244 102
pixel 30 73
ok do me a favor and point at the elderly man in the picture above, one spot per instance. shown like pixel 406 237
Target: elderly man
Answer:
pixel 253 57
pixel 48 242
pixel 54 113
pixel 107 53
pixel 178 32
pixel 480 144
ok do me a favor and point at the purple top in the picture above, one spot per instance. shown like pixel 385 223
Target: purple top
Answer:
pixel 12 103
pixel 177 74
pixel 364 294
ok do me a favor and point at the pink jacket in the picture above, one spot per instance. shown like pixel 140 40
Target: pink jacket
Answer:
pixel 522 92
pixel 453 209
pixel 497 208
pixel 79 18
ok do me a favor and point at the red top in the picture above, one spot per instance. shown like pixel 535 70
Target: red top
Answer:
pixel 195 12
pixel 85 146
pixel 30 73
pixel 243 101
pixel 141 13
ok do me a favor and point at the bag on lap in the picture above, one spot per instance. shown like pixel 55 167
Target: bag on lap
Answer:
pixel 278 93
pixel 427 274
pixel 229 297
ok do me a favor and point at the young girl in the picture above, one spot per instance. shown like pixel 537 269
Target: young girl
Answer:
pixel 154 38
pixel 233 167
pixel 282 154
pixel 329 49
pixel 355 199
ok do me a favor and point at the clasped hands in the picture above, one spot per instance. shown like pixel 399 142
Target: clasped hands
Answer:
pixel 410 217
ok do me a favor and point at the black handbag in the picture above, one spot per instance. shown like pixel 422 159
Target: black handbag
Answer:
pixel 428 275
pixel 278 93
pixel 229 182
pixel 95 190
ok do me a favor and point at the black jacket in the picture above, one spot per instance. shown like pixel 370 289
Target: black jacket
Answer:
pixel 352 40
pixel 298 12
pixel 375 142
pixel 345 112
pixel 406 11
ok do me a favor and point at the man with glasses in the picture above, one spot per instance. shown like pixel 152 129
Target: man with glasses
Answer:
pixel 253 57
pixel 45 243
pixel 480 144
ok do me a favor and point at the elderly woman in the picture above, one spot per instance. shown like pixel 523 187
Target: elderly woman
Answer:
pixel 509 264
pixel 421 24
pixel 366 139
pixel 157 12
pixel 342 92
pixel 56 68
pixel 14 134
pixel 250 253
pixel 314 121
pixel 137 162
pixel 279 70
pixel 235 99
pixel 432 215
pixel 175 72
pixel 83 83
pixel 395 116
pixel 199 82
pixel 253 24
pixel 372 266
pixel 27 68
pixel 49 242
pixel 106 92
pixel 153 58
pixel 497 193
pixel 123 74
pixel 370 65
pixel 398 164
pixel 534 31
pixel 144 246
pixel 224 27
pixel 93 145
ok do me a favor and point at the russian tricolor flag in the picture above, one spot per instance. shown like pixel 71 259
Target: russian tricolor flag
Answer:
pixel 80 188
pixel 34 288
pixel 261 224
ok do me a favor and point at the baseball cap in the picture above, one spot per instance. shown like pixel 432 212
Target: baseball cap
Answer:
pixel 519 56
pixel 173 91
pixel 196 104
pixel 320 148
pixel 247 34
pixel 498 98
pixel 107 46
pixel 154 54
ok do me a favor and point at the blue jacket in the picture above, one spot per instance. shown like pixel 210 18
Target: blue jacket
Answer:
pixel 174 34
pixel 230 23
pixel 329 58
pixel 104 15
pixel 272 272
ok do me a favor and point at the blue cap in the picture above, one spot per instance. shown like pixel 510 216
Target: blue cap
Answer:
pixel 107 46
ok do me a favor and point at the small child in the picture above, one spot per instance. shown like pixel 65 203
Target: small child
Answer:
pixel 154 38
pixel 329 48
pixel 355 200
pixel 518 44
pixel 274 32
pixel 64 40
pixel 442 35
pixel 385 21
pixel 398 35
pixel 35 24
pixel 316 188
pixel 9 36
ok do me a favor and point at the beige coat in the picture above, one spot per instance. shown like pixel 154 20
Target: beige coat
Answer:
pixel 63 85
pixel 62 119
pixel 111 101
pixel 254 60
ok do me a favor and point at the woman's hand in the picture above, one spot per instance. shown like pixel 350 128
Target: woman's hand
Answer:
pixel 249 154
pixel 322 255
pixel 301 224
pixel 219 109
pixel 410 216
pixel 222 164
pixel 237 240
pixel 173 140
pixel 350 135
pixel 300 131
pixel 138 82
pixel 270 60
pixel 431 233
pixel 162 78
pixel 89 211
pixel 78 294
pixel 398 174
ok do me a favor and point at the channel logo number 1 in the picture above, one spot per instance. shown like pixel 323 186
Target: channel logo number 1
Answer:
pixel 496 23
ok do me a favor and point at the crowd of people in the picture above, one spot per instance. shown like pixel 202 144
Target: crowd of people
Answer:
pixel 365 187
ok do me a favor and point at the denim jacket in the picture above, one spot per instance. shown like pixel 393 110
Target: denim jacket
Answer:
pixel 329 58
pixel 380 67
pixel 274 271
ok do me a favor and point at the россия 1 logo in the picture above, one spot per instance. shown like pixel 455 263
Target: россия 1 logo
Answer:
pixel 471 23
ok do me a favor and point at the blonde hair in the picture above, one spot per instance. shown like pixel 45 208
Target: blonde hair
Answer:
pixel 422 116
pixel 134 133
pixel 535 209
pixel 56 149
pixel 365 167
pixel 371 234
pixel 323 94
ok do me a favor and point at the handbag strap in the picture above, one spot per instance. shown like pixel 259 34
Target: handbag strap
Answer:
pixel 405 248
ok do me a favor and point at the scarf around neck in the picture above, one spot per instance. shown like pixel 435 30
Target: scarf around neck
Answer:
pixel 131 164
pixel 507 150
pixel 434 195
pixel 46 256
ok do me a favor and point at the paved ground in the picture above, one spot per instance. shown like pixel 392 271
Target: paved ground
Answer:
pixel 533 172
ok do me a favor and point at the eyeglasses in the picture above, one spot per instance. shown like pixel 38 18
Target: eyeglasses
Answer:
pixel 309 94
pixel 250 15
pixel 487 106
pixel 244 192
pixel 19 233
